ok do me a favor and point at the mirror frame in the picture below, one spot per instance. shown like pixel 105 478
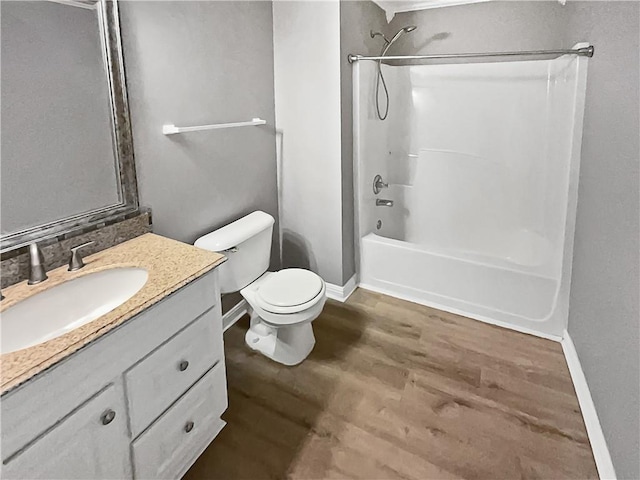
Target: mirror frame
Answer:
pixel 109 23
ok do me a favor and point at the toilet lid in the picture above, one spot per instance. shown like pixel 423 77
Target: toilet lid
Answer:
pixel 290 287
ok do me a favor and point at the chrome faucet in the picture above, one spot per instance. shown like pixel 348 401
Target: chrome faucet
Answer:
pixel 380 202
pixel 37 273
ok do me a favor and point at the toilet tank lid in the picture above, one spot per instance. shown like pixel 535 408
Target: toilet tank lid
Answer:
pixel 236 232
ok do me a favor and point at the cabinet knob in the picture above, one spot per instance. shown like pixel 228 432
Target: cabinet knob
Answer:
pixel 107 417
pixel 189 426
pixel 182 366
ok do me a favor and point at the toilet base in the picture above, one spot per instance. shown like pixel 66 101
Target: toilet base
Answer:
pixel 288 345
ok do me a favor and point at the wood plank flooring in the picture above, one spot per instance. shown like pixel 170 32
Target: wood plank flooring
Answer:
pixel 395 390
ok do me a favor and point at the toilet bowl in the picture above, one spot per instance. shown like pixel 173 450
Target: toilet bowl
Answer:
pixel 282 304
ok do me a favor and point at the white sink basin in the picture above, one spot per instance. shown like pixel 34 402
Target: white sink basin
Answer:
pixel 69 305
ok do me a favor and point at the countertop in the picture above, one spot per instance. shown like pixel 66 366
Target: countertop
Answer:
pixel 170 264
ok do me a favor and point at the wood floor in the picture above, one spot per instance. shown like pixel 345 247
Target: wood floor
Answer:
pixel 397 390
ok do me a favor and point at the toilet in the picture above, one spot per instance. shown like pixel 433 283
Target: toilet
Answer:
pixel 282 304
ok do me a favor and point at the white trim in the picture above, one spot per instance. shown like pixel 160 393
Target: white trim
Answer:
pixel 341 294
pixel 236 313
pixel 87 5
pixel 588 408
pixel 455 311
pixel 391 7
pixel 279 146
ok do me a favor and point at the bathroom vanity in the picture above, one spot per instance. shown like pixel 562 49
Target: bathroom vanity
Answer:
pixel 136 393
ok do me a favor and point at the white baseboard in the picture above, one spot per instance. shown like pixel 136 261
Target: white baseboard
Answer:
pixel 341 294
pixel 235 314
pixel 601 454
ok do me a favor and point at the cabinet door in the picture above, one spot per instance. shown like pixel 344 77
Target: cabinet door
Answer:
pixel 91 443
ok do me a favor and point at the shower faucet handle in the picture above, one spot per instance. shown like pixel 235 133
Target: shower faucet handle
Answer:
pixel 378 184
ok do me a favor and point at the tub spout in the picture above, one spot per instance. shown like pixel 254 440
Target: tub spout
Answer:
pixel 380 202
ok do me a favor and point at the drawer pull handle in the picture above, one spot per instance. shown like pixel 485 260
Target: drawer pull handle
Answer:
pixel 182 366
pixel 107 417
pixel 189 426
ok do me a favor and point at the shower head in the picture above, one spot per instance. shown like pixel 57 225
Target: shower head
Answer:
pixel 380 76
pixel 407 29
pixel 387 42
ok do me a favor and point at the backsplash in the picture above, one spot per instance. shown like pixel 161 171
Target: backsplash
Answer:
pixel 14 266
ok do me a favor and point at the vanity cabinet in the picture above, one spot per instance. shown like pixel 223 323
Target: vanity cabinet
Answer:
pixel 142 401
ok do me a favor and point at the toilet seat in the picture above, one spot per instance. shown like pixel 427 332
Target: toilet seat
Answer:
pixel 283 316
pixel 288 291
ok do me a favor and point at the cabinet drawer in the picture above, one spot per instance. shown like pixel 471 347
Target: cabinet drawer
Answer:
pixel 178 437
pixel 158 380
pixel 92 442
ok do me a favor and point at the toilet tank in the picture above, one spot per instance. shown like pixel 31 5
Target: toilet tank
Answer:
pixel 247 245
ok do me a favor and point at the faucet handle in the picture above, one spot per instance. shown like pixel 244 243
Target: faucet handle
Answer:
pixel 379 184
pixel 75 262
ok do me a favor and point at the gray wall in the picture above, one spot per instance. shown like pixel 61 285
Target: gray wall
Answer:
pixel 57 154
pixel 306 38
pixel 604 313
pixel 195 63
pixel 603 319
pixel 492 26
pixel 357 18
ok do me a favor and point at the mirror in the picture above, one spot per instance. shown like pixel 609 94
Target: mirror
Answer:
pixel 67 158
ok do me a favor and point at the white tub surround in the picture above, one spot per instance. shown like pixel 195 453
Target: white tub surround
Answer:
pixel 482 164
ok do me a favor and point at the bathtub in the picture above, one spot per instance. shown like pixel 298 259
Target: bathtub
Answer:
pixel 481 162
pixel 508 297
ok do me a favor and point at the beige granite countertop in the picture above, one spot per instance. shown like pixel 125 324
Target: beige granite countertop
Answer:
pixel 170 264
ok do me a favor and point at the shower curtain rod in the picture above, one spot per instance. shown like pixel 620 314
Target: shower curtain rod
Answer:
pixel 584 52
